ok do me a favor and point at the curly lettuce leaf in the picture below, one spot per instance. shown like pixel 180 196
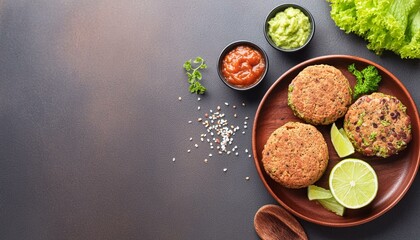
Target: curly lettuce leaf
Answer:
pixel 387 24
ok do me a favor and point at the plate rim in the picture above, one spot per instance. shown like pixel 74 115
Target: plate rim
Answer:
pixel 318 60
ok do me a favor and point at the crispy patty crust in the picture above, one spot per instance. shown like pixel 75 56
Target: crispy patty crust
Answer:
pixel 319 94
pixel 295 155
pixel 378 125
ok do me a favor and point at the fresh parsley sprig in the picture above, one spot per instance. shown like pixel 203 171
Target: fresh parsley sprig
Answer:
pixel 194 75
pixel 367 80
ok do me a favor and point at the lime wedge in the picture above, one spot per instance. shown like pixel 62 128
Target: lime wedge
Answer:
pixel 326 199
pixel 332 205
pixel 353 183
pixel 341 142
pixel 316 193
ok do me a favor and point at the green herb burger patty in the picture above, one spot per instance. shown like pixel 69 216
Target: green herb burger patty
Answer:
pixel 295 155
pixel 319 94
pixel 378 125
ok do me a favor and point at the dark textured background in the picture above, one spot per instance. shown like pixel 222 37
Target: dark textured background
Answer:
pixel 90 120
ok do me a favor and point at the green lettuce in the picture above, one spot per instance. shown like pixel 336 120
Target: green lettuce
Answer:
pixel 386 24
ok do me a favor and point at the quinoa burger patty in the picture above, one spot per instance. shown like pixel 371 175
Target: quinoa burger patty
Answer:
pixel 295 155
pixel 319 94
pixel 378 125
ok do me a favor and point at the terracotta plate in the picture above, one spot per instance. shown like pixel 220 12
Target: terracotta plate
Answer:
pixel 395 174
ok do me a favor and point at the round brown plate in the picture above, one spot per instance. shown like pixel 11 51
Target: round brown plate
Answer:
pixel 395 174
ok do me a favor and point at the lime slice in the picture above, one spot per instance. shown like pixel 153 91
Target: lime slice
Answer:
pixel 341 142
pixel 353 183
pixel 316 193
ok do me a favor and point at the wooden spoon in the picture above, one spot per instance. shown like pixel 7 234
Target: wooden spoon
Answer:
pixel 273 222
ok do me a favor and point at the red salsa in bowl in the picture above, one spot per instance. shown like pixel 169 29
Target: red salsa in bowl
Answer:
pixel 242 65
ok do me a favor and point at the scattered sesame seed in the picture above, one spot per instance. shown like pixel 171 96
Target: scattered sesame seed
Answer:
pixel 247 178
pixel 205 160
pixel 243 132
pixel 234 106
pixel 198 99
pixel 199 119
pixel 235 115
pixel 189 122
pixel 173 159
pixel 249 155
pixel 236 153
pixel 196 145
pixel 224 169
pixel 189 150
pixel 246 118
pixel 243 104
pixel 245 126
pixel 226 103
pixel 210 155
pixel 179 98
pixel 191 138
pixel 246 150
pixel 218 108
pixel 198 108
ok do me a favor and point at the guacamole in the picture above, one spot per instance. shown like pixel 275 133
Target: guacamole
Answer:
pixel 290 28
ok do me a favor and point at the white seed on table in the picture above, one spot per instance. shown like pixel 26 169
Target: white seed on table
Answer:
pixel 198 99
pixel 226 103
pixel 210 155
pixel 205 160
pixel 198 108
pixel 179 98
pixel 173 159
pixel 236 153
pixel 224 169
pixel 247 178
pixel 189 150
pixel 196 145
pixel 191 138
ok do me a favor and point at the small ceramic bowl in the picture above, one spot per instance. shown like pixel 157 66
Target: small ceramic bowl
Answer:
pixel 232 46
pixel 281 8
